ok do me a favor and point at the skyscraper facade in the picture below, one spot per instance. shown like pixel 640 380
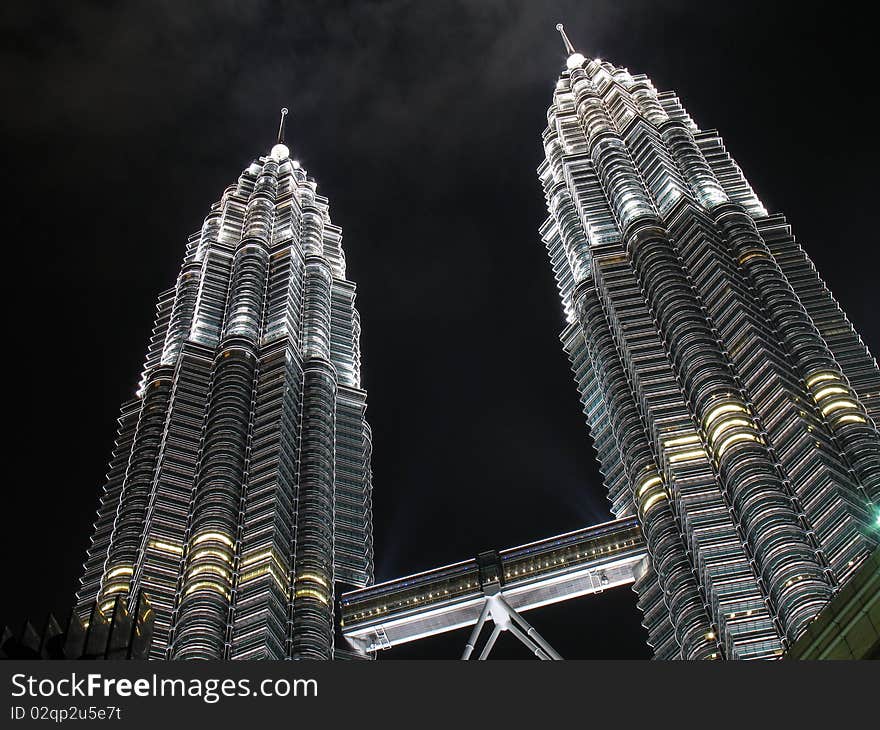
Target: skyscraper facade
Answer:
pixel 238 498
pixel 732 406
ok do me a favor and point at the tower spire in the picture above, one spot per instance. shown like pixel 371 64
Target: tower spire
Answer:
pixel 281 125
pixel 568 47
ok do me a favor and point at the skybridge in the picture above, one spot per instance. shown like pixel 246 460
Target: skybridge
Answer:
pixel 495 585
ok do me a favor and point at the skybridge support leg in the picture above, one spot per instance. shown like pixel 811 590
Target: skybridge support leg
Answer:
pixel 506 618
pixel 475 634
pixel 531 645
pixel 490 643
pixel 531 632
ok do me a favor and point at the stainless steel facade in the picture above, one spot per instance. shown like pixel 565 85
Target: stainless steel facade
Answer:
pixel 239 492
pixel 732 405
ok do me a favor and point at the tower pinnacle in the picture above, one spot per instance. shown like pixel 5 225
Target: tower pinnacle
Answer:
pixel 575 59
pixel 280 151
pixel 568 47
pixel 281 125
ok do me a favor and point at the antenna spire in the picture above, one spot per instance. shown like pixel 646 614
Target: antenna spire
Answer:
pixel 281 125
pixel 568 47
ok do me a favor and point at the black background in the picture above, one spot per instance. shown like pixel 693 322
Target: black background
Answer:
pixel 421 122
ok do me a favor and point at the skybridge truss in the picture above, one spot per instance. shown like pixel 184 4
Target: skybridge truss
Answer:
pixel 495 585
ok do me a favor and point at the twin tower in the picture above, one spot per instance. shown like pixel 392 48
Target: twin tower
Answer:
pixel 732 405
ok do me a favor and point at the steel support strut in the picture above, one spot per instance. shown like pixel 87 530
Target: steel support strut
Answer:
pixel 475 634
pixel 531 645
pixel 506 618
pixel 491 642
pixel 531 631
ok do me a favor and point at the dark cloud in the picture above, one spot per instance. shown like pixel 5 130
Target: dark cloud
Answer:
pixel 421 122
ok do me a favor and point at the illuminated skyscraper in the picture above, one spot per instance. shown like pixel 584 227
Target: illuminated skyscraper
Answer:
pixel 239 492
pixel 731 403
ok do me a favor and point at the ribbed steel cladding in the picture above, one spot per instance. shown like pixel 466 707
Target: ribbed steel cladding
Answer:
pixel 316 308
pixel 93 570
pixel 848 349
pixel 693 165
pixel 794 578
pixel 711 194
pixel 628 321
pixel 697 501
pixel 312 230
pixel 135 495
pixel 312 608
pixel 244 318
pixel 767 375
pixel 673 571
pixel 655 615
pixel 267 544
pixel 164 306
pixel 351 509
pixel 182 314
pixel 790 318
pixel 219 490
pixel 211 300
pixel 859 438
pixel 284 295
pixel 757 495
pixel 161 555
pixel 312 636
pixel 203 611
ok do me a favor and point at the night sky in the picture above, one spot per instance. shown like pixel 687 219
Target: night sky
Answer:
pixel 421 122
